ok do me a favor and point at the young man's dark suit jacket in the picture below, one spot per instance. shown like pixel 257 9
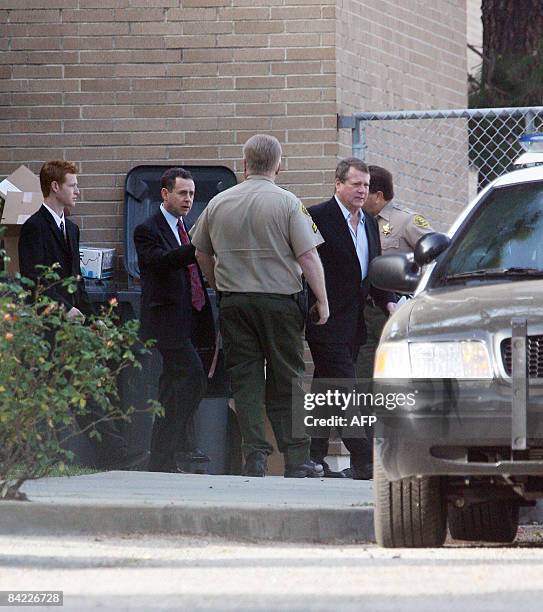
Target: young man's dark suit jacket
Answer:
pixel 167 316
pixel 41 243
pixel 335 345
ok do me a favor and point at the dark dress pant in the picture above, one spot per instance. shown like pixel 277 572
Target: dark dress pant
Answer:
pixel 181 386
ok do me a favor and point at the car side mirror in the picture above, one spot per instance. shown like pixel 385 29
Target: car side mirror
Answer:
pixel 396 272
pixel 430 246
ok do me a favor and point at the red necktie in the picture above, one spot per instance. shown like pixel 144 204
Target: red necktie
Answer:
pixel 198 297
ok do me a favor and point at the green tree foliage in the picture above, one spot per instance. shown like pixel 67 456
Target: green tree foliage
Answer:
pixel 515 80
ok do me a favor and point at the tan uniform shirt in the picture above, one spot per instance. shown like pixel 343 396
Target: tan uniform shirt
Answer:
pixel 400 228
pixel 256 230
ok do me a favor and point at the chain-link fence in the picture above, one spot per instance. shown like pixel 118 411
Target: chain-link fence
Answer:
pixel 441 158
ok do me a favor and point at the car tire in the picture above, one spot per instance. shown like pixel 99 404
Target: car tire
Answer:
pixel 492 521
pixel 409 513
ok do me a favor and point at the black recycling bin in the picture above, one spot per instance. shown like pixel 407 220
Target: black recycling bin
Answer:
pixel 142 199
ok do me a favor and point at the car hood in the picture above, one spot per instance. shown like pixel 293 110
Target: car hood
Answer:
pixel 482 306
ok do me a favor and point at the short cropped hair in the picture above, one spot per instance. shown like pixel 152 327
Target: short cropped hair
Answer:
pixel 381 180
pixel 55 170
pixel 262 153
pixel 342 169
pixel 169 177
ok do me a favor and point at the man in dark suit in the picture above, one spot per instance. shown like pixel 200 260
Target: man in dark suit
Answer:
pixel 174 309
pixel 48 238
pixel 351 241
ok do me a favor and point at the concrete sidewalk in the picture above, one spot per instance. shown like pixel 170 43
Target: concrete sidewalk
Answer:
pixel 234 507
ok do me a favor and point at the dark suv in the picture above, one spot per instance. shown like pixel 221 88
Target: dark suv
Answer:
pixel 469 453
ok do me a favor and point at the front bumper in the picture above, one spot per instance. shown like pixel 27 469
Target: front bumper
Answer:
pixel 461 428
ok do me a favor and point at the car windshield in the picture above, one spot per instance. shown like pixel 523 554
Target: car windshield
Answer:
pixel 503 237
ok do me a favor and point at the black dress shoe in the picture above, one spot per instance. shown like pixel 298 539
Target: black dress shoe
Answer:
pixel 129 461
pixel 304 470
pixel 364 472
pixel 255 464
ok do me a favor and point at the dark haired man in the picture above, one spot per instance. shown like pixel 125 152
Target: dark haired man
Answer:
pixel 173 303
pixel 351 241
pixel 48 238
pixel 399 227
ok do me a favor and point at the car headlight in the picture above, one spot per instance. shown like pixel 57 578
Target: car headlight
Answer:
pixel 465 359
pixel 392 361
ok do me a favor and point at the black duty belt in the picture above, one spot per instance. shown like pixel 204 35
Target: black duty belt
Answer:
pixel 291 296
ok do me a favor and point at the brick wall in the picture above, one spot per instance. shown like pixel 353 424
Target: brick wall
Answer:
pixel 124 82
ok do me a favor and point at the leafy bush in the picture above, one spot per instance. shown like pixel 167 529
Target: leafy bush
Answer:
pixel 49 368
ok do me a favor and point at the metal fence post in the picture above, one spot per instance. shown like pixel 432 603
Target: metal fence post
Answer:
pixel 359 139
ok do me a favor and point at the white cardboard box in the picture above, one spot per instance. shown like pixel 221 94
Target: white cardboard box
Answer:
pixel 96 262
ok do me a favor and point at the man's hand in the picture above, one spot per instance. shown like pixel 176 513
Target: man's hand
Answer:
pixel 323 312
pixel 391 307
pixel 75 314
pixel 319 313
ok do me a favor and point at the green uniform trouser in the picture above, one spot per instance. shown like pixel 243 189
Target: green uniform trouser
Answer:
pixel 260 328
pixel 375 320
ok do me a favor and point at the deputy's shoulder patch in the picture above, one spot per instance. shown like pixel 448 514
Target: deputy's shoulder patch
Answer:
pixel 420 221
pixel 304 210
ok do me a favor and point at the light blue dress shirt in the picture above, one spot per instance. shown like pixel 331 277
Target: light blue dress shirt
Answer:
pixel 359 237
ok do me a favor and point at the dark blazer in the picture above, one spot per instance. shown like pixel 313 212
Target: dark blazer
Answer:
pixel 41 243
pixel 166 301
pixel 346 297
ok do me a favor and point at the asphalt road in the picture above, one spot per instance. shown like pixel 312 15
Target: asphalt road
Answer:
pixel 149 573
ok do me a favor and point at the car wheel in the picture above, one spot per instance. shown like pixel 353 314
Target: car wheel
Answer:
pixel 493 521
pixel 409 513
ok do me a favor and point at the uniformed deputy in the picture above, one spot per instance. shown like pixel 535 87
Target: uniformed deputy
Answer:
pixel 399 231
pixel 253 241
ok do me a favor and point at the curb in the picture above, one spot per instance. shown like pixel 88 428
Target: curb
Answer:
pixel 236 522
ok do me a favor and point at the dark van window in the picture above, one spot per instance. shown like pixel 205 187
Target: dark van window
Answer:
pixel 506 231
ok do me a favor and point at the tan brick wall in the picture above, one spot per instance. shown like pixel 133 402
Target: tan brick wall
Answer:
pixel 125 82
pixel 117 83
pixel 404 55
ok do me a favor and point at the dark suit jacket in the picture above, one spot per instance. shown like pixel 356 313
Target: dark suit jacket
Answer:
pixel 166 300
pixel 41 243
pixel 346 297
